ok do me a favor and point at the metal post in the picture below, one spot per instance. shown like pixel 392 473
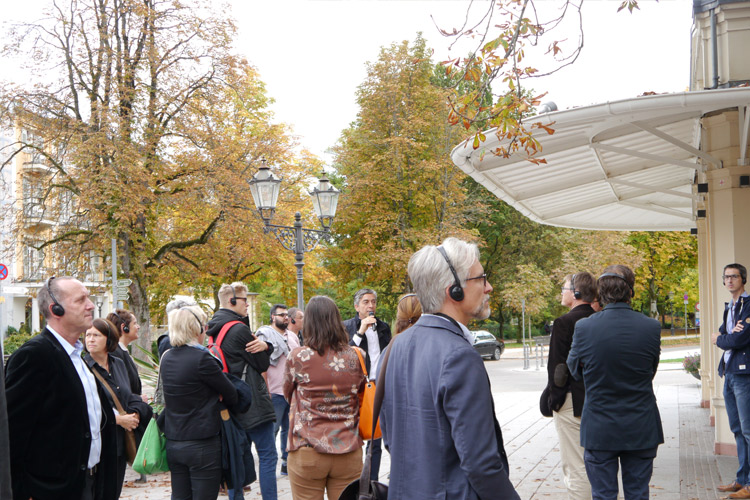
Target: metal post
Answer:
pixel 299 259
pixel 114 274
pixel 671 314
pixel 686 318
pixel 526 353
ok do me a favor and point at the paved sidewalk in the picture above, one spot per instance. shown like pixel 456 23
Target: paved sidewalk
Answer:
pixel 685 468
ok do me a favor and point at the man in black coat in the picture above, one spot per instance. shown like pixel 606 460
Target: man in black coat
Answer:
pixel 248 358
pixel 616 352
pixel 565 395
pixel 371 335
pixel 62 432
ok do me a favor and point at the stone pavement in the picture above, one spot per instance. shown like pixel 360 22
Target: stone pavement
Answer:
pixel 685 468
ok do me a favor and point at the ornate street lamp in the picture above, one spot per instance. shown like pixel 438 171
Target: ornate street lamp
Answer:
pixel 264 187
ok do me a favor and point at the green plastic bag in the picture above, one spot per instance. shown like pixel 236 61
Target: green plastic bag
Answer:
pixel 152 452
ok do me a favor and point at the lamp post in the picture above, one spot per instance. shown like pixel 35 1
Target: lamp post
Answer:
pixel 99 303
pixel 671 310
pixel 264 187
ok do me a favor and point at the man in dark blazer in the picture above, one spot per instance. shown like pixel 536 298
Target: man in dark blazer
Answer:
pixel 616 352
pixel 372 336
pixel 62 436
pixel 734 338
pixel 438 416
pixel 565 395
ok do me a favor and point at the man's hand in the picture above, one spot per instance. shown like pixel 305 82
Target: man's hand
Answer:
pixel 128 422
pixel 738 327
pixel 714 336
pixel 369 320
pixel 256 346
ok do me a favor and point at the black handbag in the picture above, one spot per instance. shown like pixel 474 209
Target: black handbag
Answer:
pixel 364 488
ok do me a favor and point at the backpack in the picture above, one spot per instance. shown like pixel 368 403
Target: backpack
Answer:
pixel 215 347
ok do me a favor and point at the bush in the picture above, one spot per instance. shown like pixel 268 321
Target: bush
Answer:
pixel 14 341
pixel 692 363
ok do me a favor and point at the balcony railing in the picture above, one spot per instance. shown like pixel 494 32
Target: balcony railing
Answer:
pixel 37 163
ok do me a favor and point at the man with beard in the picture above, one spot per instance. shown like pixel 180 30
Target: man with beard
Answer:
pixel 248 358
pixel 283 341
pixel 438 416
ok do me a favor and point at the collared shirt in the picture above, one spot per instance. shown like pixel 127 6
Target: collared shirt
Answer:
pixel 275 373
pixel 468 335
pixel 373 349
pixel 731 320
pixel 93 405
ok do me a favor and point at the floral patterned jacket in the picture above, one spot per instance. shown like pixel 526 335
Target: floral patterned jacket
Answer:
pixel 324 393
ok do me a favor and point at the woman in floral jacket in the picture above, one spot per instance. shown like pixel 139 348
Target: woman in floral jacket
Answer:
pixel 323 382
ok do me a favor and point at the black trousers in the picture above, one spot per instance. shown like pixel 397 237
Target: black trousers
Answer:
pixel 195 467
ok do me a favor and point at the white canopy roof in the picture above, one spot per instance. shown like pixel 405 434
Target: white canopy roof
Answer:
pixel 623 165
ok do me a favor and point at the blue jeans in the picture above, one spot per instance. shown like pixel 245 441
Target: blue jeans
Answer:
pixel 281 407
pixel 737 403
pixel 637 467
pixel 262 436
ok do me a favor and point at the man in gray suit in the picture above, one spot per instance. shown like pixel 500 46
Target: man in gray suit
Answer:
pixel 616 351
pixel 438 417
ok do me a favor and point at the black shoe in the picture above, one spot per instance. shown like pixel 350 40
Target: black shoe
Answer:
pixel 283 469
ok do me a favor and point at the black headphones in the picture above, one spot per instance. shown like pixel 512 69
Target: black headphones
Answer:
pixel 233 300
pixel 576 293
pixel 456 291
pixel 292 320
pixel 125 328
pixel 57 308
pixel 198 319
pixel 615 275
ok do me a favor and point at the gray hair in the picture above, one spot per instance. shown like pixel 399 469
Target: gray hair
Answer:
pixel 185 325
pixel 293 312
pixel 361 293
pixel 430 274
pixel 45 299
pixel 179 304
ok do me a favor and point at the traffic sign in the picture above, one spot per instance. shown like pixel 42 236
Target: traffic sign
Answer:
pixel 122 292
pixel 3 271
pixel 124 283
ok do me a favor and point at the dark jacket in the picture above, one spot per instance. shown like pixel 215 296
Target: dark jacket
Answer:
pixel 48 425
pixel 117 378
pixel 192 381
pixel 237 358
pixel 739 343
pixel 616 351
pixel 559 347
pixel 384 336
pixel 132 371
pixel 438 418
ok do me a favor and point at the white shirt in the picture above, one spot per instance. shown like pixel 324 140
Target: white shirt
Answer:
pixel 93 405
pixel 731 320
pixel 373 349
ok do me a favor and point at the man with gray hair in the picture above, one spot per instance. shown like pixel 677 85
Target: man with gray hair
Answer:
pixel 372 336
pixel 438 410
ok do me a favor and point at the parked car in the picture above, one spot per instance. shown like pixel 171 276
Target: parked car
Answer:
pixel 487 345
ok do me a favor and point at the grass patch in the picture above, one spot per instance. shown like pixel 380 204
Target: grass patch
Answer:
pixel 676 360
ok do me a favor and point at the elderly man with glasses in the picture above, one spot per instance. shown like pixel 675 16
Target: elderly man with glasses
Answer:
pixel 734 338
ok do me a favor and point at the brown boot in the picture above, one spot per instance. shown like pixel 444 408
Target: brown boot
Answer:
pixel 735 486
pixel 743 493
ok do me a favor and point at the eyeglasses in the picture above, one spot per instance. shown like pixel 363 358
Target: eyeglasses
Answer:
pixel 241 298
pixel 567 288
pixel 283 315
pixel 480 277
pixel 731 276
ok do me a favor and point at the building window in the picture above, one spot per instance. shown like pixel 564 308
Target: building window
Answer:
pixel 33 261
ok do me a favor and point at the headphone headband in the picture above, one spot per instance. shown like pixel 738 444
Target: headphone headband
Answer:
pixel 615 275
pixel 57 308
pixel 456 291
pixel 407 295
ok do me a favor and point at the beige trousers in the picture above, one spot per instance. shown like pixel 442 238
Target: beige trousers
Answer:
pixel 312 473
pixel 571 452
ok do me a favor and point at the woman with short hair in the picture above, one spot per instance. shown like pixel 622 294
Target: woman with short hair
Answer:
pixel 193 386
pixel 101 340
pixel 323 383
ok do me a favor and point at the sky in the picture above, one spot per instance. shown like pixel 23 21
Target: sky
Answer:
pixel 312 54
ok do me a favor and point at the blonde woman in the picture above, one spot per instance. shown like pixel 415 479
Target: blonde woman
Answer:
pixel 193 385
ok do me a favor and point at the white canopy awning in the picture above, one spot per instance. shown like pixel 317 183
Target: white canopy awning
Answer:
pixel 623 165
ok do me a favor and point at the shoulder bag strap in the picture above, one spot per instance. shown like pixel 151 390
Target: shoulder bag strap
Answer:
pixel 119 407
pixel 361 360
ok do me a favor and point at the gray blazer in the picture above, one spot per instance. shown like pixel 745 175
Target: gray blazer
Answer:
pixel 438 418
pixel 616 351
